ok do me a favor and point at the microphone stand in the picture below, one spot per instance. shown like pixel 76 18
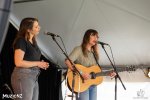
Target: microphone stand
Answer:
pixel 75 69
pixel 117 75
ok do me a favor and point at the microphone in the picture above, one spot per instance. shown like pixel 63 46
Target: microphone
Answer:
pixel 102 43
pixel 52 34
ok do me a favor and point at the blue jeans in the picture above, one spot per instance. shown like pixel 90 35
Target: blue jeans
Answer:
pixel 89 94
pixel 25 82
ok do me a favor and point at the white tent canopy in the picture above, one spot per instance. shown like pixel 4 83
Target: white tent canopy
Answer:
pixel 123 24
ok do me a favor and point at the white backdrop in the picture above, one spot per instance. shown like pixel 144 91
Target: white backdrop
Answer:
pixel 106 91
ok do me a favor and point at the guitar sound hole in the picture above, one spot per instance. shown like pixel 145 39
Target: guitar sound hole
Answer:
pixel 93 75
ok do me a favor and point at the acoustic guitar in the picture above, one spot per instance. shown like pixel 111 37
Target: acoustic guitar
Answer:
pixel 95 79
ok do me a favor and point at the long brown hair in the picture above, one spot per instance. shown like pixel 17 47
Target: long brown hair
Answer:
pixel 86 40
pixel 26 23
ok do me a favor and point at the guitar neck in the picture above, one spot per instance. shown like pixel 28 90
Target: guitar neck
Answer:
pixel 106 73
pixel 103 73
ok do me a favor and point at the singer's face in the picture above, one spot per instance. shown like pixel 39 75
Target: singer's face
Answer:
pixel 93 39
pixel 35 29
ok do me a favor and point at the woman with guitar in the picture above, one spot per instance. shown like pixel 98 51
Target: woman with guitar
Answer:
pixel 84 57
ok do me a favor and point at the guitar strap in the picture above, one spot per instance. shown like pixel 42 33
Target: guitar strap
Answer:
pixel 96 60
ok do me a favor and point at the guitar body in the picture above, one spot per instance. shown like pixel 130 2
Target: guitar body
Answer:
pixel 80 86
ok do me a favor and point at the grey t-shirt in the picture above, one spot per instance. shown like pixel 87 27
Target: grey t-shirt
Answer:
pixel 78 58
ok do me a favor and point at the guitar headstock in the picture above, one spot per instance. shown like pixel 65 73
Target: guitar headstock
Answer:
pixel 130 68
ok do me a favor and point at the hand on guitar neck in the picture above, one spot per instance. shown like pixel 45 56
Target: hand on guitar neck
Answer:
pixel 112 74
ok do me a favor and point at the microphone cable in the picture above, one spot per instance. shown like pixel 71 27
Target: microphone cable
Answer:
pixel 112 54
pixel 63 45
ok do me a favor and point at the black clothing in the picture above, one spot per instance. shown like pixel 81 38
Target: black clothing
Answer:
pixel 32 52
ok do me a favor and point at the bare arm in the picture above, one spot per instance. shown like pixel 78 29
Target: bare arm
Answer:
pixel 19 62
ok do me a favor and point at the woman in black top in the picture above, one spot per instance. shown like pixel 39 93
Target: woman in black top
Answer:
pixel 27 60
